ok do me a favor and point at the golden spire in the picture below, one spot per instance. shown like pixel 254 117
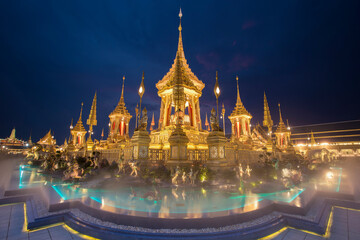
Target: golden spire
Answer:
pixel 239 108
pixel 180 51
pixel 79 125
pixel 152 123
pixel 267 116
pixel 180 72
pixel 238 100
pixel 281 121
pixel 30 141
pixel 122 91
pixel 120 108
pixel 92 116
pixel 12 135
pixel 80 117
pixel 207 123
pixel 281 128
pixel 313 142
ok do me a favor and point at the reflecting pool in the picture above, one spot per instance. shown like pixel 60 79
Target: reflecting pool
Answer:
pixel 166 200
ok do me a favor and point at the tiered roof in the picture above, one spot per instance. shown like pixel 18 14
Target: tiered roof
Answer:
pixel 92 116
pixel 47 139
pixel 121 108
pixel 239 108
pixel 281 128
pixel 79 127
pixel 180 72
pixel 268 122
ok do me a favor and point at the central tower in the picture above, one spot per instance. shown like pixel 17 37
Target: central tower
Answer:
pixel 179 91
pixel 180 85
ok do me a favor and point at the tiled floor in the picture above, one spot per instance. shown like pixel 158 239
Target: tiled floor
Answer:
pixel 12 227
pixel 346 225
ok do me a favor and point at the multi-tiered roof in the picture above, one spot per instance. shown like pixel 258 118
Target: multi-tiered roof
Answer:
pixel 180 72
pixel 239 109
pixel 120 109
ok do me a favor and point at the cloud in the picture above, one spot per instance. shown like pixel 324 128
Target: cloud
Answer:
pixel 240 62
pixel 248 24
pixel 209 60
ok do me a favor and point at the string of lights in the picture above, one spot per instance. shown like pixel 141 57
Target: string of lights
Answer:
pixel 329 123
pixel 322 137
pixel 324 132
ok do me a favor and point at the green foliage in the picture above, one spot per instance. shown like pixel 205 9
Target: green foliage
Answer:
pixel 205 174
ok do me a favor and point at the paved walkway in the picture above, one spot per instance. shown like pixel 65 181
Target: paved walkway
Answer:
pixel 345 225
pixel 12 227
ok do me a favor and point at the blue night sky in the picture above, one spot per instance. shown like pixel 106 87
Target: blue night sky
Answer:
pixel 56 54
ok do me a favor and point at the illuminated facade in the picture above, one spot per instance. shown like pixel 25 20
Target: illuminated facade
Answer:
pixel 267 116
pixel 119 121
pixel 78 132
pixel 180 91
pixel 47 140
pixel 240 120
pixel 178 137
pixel 282 134
pixel 12 140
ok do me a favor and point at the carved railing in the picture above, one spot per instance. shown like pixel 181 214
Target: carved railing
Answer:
pixel 234 155
pixel 159 155
pixel 198 155
pixel 111 154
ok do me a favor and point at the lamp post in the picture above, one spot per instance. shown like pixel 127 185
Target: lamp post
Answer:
pixel 223 117
pixel 141 92
pixel 217 94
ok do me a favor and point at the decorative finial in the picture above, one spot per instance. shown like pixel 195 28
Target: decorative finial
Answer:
pixel 238 93
pixel 280 113
pixel 122 90
pixel 82 104
pixel 180 16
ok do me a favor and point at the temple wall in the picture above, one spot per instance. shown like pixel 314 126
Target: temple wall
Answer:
pixel 233 156
pixel 112 155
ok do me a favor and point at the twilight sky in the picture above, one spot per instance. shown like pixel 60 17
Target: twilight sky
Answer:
pixel 55 54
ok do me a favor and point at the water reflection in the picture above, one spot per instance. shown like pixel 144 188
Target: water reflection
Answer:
pixel 192 201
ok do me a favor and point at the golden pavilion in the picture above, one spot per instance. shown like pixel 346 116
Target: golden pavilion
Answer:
pixel 179 137
pixel 180 85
